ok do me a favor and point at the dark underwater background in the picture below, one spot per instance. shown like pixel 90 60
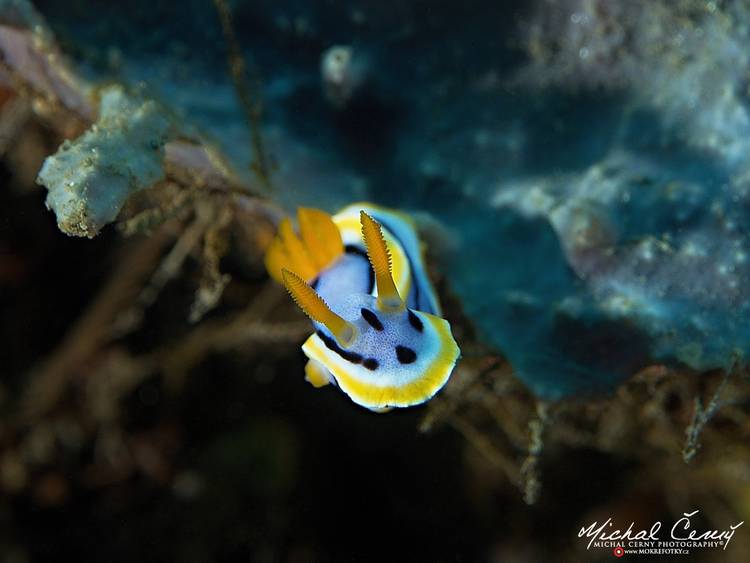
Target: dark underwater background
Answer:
pixel 579 171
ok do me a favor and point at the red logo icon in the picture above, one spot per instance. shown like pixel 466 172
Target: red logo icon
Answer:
pixel 618 551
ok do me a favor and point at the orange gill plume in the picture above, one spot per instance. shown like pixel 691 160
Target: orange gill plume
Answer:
pixel 317 247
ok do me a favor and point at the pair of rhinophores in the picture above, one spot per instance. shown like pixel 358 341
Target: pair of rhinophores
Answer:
pixel 360 277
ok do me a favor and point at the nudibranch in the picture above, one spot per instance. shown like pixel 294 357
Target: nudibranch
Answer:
pixel 360 277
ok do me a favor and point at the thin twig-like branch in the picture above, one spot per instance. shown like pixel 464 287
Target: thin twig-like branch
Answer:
pixel 92 330
pixel 530 469
pixel 484 446
pixel 248 92
pixel 701 417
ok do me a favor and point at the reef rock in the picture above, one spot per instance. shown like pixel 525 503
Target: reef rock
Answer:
pixel 90 178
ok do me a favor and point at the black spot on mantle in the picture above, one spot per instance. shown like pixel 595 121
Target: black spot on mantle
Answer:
pixel 332 345
pixel 405 355
pixel 372 319
pixel 415 321
pixel 370 363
